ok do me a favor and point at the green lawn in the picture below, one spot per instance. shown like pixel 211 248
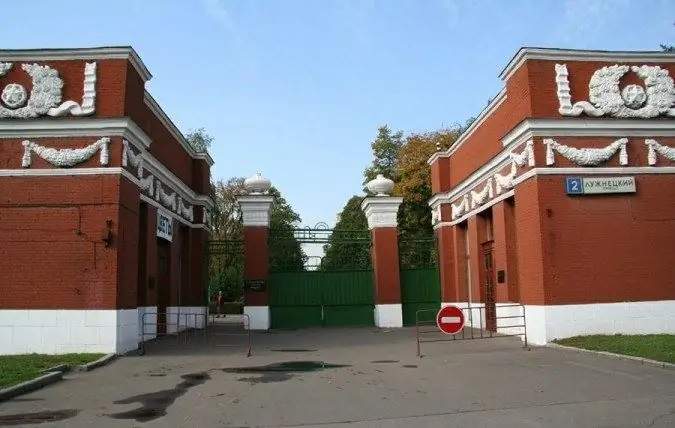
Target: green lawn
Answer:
pixel 660 347
pixel 18 368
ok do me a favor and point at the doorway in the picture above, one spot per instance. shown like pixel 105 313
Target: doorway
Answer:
pixel 489 286
pixel 163 284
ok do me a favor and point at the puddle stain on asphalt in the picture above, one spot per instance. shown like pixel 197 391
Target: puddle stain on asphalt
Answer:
pixel 155 404
pixel 410 366
pixel 280 372
pixel 37 417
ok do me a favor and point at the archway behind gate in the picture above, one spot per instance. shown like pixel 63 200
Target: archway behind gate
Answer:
pixel 327 291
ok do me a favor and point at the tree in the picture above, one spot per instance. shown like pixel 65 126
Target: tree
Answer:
pixel 385 154
pixel 414 183
pixel 226 215
pixel 348 246
pixel 199 139
pixel 668 48
pixel 286 253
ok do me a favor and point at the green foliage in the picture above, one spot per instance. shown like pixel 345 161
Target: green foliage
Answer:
pixel 385 153
pixel 199 140
pixel 285 250
pixel 667 48
pixel 346 247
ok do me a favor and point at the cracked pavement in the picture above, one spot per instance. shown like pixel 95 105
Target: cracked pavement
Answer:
pixel 358 378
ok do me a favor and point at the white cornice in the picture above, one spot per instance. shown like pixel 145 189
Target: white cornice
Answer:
pixel 171 214
pixel 157 110
pixel 100 53
pixel 529 128
pixel 94 127
pixel 84 127
pixel 548 54
pixel 487 111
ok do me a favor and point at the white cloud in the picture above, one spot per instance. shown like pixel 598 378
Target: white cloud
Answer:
pixel 216 10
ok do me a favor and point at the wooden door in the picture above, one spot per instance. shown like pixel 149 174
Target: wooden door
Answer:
pixel 489 279
pixel 163 284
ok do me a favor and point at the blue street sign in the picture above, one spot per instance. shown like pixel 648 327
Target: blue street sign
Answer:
pixel 574 185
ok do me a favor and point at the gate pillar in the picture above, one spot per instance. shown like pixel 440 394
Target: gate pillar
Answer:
pixel 381 211
pixel 255 207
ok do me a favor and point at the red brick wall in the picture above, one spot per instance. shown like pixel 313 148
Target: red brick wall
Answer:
pixel 164 147
pixel 50 242
pixel 609 248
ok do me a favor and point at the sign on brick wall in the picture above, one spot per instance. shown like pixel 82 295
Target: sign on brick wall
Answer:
pixel 599 185
pixel 164 226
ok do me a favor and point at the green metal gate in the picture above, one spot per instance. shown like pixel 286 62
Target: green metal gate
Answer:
pixel 329 291
pixel 420 283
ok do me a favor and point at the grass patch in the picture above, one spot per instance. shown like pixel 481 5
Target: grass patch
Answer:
pixel 19 368
pixel 659 347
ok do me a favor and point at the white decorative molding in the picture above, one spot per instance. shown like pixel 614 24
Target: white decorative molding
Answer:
pixel 586 156
pixel 479 198
pixel 655 148
pixel 606 98
pixel 46 93
pixel 257 184
pixel 255 210
pixel 380 186
pixel 88 106
pixel 64 158
pixel 381 211
pixel 435 215
pixel 458 210
pixel 153 185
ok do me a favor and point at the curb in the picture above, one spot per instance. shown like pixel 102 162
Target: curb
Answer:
pixel 30 385
pixel 52 375
pixel 95 364
pixel 640 360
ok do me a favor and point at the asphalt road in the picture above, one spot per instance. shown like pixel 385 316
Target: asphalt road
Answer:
pixel 357 378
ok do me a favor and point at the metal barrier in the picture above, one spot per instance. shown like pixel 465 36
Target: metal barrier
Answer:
pixel 242 319
pixel 167 324
pixel 483 332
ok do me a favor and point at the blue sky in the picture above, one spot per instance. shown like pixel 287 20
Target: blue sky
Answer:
pixel 296 89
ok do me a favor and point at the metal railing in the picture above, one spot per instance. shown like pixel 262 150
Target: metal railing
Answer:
pixel 232 320
pixel 479 331
pixel 190 330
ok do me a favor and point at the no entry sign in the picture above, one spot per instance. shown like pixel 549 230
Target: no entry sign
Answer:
pixel 450 320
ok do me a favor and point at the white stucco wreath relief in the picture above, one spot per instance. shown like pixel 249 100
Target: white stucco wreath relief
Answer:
pixel 153 187
pixel 655 148
pixel 64 158
pixel 586 156
pixel 46 94
pixel 606 98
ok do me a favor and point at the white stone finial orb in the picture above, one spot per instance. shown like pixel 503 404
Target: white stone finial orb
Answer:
pixel 257 184
pixel 380 186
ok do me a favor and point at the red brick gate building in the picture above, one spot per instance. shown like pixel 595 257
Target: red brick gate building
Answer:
pixel 561 196
pixel 103 205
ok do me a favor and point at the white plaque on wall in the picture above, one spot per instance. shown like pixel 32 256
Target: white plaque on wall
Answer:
pixel 164 225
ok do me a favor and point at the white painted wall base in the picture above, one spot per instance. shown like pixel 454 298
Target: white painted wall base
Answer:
pixel 147 322
pixel 545 324
pixel 180 318
pixel 389 315
pixel 24 331
pixel 259 316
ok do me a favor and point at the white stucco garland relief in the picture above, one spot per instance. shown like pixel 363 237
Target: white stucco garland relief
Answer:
pixel 64 158
pixel 153 186
pixel 518 160
pixel 655 149
pixel 606 98
pixel 586 156
pixel 45 96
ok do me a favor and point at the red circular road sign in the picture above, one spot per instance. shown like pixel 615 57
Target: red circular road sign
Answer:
pixel 450 320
